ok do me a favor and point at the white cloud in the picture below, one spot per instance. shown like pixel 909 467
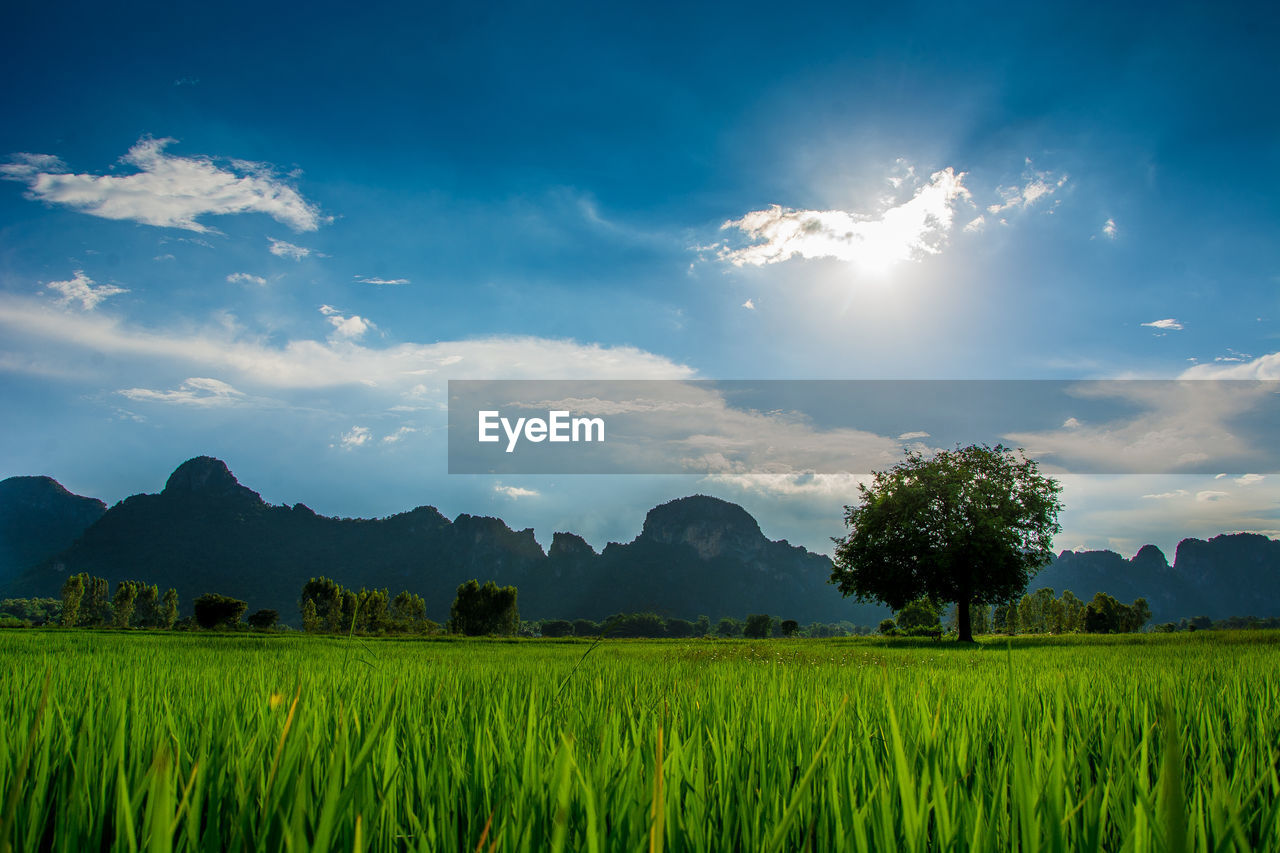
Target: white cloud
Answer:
pixel 57 342
pixel 346 328
pixel 907 231
pixel 1109 229
pixel 382 280
pixel 25 167
pixel 977 224
pixel 1178 425
pixel 1036 186
pixel 794 485
pixel 399 435
pixel 749 305
pixel 1105 512
pixel 1168 324
pixel 1241 367
pixel 1210 495
pixel 246 278
pixel 1249 479
pixel 166 191
pixel 281 249
pixel 1071 423
pixel 81 288
pixel 912 436
pixel 196 391
pixel 516 492
pixel 357 436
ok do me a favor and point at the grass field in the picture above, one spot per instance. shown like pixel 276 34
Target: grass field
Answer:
pixel 241 742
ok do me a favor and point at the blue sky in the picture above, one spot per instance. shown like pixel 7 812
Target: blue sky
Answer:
pixel 272 237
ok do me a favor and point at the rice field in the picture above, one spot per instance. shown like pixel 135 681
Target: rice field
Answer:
pixel 128 741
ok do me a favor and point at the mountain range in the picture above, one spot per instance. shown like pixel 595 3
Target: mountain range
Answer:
pixel 205 532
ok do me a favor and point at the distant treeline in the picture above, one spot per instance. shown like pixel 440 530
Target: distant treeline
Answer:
pixel 326 606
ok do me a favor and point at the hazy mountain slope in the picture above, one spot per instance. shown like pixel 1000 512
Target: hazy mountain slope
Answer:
pixel 38 518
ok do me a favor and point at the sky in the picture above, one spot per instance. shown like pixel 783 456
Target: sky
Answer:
pixel 273 237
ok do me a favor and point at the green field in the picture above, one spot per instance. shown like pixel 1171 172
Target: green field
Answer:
pixel 242 742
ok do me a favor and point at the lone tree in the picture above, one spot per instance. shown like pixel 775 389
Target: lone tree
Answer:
pixel 970 525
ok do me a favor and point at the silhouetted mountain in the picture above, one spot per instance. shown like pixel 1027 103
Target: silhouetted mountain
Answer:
pixel 703 555
pixel 38 518
pixel 205 532
pixel 1230 575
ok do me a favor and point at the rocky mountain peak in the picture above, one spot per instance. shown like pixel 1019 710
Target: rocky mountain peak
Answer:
pixel 570 546
pixel 711 526
pixel 42 493
pixel 1150 557
pixel 205 476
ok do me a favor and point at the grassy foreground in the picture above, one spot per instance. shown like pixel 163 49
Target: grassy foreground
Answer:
pixel 190 742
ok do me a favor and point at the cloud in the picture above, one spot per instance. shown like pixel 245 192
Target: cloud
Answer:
pixel 793 485
pixel 380 280
pixel 1109 229
pixel 1177 426
pixel 515 492
pixel 1262 367
pixel 398 435
pixel 357 436
pixel 58 342
pixel 1176 493
pixel 246 278
pixel 1168 324
pixel 908 231
pixel 81 288
pixel 749 305
pixel 281 249
pixel 1210 495
pixel 165 191
pixel 1106 512
pixel 1249 479
pixel 346 328
pixel 196 391
pixel 977 224
pixel 1036 186
pixel 912 436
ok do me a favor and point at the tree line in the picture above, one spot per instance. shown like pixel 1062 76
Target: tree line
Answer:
pixel 326 606
pixel 478 610
pixel 1034 613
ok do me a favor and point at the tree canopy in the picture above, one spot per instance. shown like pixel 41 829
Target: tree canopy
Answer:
pixel 970 525
pixel 488 609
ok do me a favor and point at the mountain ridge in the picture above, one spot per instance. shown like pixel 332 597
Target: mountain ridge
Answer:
pixel 207 532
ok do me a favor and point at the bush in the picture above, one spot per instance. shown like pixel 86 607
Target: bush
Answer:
pixel 887 626
pixel 921 613
pixel 557 628
pixel 728 627
pixel 585 628
pixel 264 620
pixel 218 611
pixel 679 628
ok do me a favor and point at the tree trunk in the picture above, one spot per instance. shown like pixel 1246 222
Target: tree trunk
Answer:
pixel 962 617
